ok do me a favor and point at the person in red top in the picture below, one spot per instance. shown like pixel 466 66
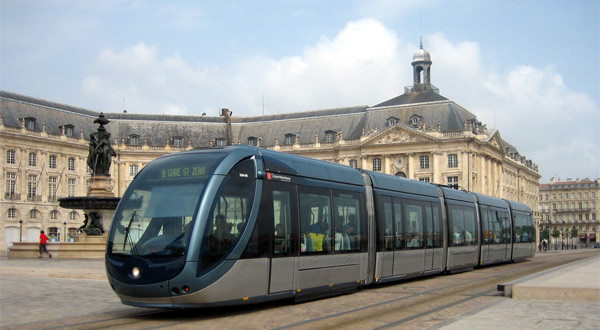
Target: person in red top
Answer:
pixel 43 241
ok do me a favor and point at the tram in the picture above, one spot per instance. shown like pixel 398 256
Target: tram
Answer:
pixel 241 224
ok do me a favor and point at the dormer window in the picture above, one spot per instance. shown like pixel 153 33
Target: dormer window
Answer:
pixel 69 130
pixel 330 136
pixel 30 123
pixel 289 138
pixel 178 141
pixel 134 139
pixel 252 141
pixel 392 121
pixel 220 142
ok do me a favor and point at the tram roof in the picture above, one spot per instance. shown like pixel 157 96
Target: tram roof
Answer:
pixel 457 195
pixel 491 201
pixel 278 162
pixel 517 206
pixel 395 183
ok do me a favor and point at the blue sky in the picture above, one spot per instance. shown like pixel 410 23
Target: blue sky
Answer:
pixel 529 68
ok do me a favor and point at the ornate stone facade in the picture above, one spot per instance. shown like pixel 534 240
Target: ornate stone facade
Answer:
pixel 570 210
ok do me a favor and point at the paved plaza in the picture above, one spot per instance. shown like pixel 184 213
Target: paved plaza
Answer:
pixel 44 293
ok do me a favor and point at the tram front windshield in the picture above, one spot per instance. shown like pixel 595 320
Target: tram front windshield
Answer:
pixel 155 215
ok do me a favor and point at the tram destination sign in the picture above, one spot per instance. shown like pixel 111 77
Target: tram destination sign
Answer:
pixel 182 172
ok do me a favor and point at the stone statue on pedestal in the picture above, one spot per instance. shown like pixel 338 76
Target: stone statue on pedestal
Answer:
pixel 100 152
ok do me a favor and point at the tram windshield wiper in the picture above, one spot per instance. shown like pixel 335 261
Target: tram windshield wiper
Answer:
pixel 128 239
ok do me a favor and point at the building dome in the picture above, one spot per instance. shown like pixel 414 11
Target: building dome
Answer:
pixel 421 55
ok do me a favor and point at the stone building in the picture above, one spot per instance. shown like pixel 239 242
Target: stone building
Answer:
pixel 420 135
pixel 570 209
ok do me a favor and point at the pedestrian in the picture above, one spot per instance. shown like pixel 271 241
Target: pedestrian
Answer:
pixel 43 241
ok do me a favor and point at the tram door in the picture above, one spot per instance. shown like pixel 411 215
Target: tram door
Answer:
pixel 281 197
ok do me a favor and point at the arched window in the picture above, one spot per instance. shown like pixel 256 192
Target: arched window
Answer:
pixel 392 121
pixel 73 216
pixel 12 213
pixel 33 214
pixel 401 174
pixel 53 215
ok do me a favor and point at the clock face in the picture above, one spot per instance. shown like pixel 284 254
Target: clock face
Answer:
pixel 400 162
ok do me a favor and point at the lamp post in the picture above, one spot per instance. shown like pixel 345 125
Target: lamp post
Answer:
pixel 20 230
pixel 65 232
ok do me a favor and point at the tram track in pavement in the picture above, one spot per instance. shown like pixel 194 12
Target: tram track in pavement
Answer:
pixel 423 303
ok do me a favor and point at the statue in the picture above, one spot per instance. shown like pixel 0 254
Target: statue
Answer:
pixel 94 226
pixel 100 151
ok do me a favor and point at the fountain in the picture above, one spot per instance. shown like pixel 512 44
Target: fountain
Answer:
pixel 98 206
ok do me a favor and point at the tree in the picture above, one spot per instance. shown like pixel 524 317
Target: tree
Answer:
pixel 574 232
pixel 555 233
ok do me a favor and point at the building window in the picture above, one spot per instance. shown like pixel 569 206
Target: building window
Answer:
pixel 392 121
pixel 330 136
pixel 10 156
pixel 30 123
pixel 32 159
pixel 32 186
pixel 220 142
pixel 71 186
pixel 12 213
pixel 178 141
pixel 133 170
pixel 289 138
pixel 400 174
pixel 252 141
pixel 424 162
pixel 71 164
pixel 11 183
pixel 377 164
pixel 353 163
pixel 452 160
pixel 54 234
pixel 134 140
pixel 453 182
pixel 53 215
pixel 426 179
pixel 52 161
pixel 52 185
pixel 32 214
pixel 73 216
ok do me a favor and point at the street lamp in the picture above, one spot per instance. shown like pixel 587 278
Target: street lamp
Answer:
pixel 65 232
pixel 20 230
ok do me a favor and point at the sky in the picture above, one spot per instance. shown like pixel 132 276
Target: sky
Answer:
pixel 530 69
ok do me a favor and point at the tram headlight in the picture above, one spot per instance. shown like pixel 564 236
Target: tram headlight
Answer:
pixel 135 272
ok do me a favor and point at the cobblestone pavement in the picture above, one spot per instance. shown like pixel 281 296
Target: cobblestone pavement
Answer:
pixel 55 293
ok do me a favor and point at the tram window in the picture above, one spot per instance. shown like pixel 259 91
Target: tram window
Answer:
pixel 229 213
pixel 485 226
pixel 523 230
pixel 414 224
pixel 506 228
pixel 463 229
pixel 457 226
pixel 470 227
pixel 438 233
pixel 497 222
pixel 347 209
pixel 399 228
pixel 282 222
pixel 428 226
pixel 385 223
pixel 315 220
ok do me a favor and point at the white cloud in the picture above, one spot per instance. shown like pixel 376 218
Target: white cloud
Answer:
pixel 365 63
